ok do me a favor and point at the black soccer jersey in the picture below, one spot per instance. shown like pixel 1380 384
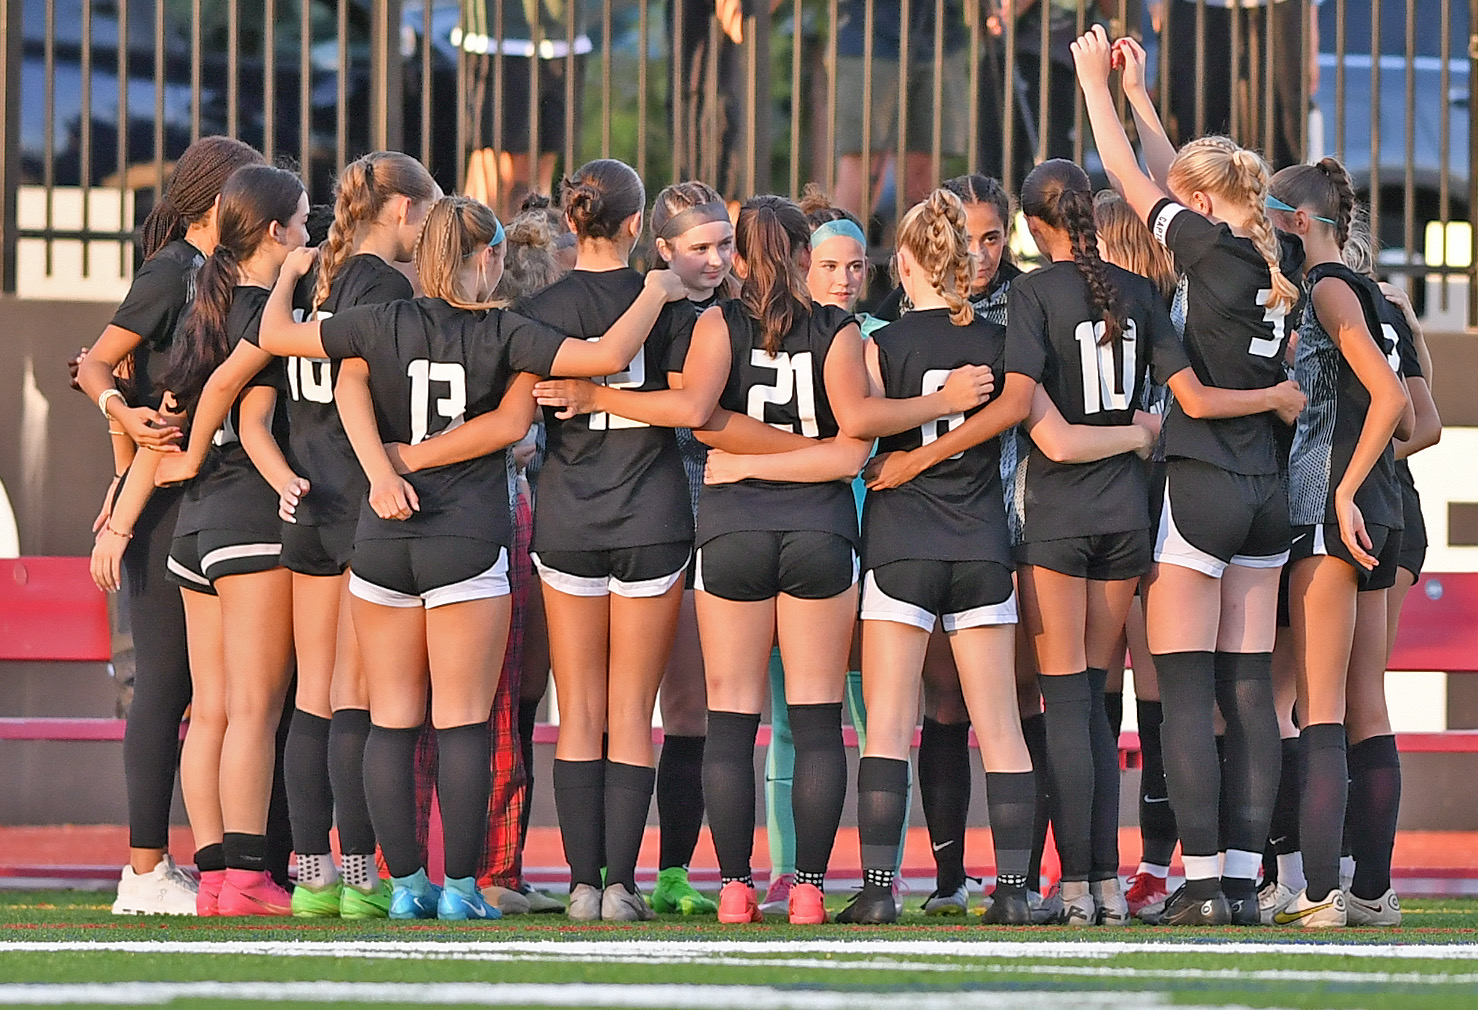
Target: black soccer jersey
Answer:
pixel 610 482
pixel 337 485
pixel 1233 338
pixel 1330 425
pixel 786 390
pixel 230 493
pixel 432 367
pixel 162 291
pixel 1407 363
pixel 952 511
pixel 1053 337
pixel 694 452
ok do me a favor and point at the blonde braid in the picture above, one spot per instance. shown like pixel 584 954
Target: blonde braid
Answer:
pixel 934 233
pixel 1252 177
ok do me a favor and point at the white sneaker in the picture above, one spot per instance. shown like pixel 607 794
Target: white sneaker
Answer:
pixel 585 903
pixel 1383 911
pixel 1272 899
pixel 620 905
pixel 1326 914
pixel 954 903
pixel 1113 909
pixel 1078 910
pixel 506 900
pixel 164 890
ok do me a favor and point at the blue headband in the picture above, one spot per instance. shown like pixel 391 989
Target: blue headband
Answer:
pixel 841 226
pixel 498 234
pixel 1274 203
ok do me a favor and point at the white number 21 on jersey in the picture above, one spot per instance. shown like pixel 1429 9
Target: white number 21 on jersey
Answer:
pixel 793 382
pixel 422 374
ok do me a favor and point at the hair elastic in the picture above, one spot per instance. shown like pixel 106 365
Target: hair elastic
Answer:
pixel 841 226
pixel 703 213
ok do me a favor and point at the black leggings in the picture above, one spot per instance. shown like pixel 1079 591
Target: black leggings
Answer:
pixel 161 683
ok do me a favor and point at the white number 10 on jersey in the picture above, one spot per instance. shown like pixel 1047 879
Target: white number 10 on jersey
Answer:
pixel 1098 367
pixel 422 374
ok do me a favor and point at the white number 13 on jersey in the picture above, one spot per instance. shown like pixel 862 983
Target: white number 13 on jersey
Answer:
pixel 422 374
pixel 793 382
pixel 634 377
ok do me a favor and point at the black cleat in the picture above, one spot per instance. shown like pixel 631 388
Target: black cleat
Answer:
pixel 1244 910
pixel 1182 910
pixel 1008 908
pixel 870 906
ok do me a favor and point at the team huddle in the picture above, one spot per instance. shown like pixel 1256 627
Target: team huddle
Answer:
pixel 379 494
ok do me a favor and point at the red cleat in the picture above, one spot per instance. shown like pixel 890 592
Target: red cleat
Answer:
pixel 737 903
pixel 1145 889
pixel 807 905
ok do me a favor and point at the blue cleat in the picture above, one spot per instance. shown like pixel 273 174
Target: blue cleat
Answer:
pixel 414 897
pixel 461 900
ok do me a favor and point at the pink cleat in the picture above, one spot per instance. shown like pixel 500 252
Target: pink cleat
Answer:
pixel 252 892
pixel 208 898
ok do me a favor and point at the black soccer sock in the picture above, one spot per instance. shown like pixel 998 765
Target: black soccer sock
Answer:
pixel 944 789
pixel 310 797
pixel 1034 731
pixel 1283 829
pixel 244 851
pixel 680 798
pixel 390 791
pixel 210 857
pixel 347 735
pixel 1244 693
pixel 1104 740
pixel 1375 797
pixel 1192 768
pixel 728 789
pixel 464 785
pixel 1011 798
pixel 820 785
pixel 279 822
pixel 580 801
pixel 628 799
pixel 1321 815
pixel 1156 817
pixel 1113 707
pixel 882 804
pixel 1067 700
pixel 528 718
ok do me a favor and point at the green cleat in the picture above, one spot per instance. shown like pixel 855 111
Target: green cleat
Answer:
pixel 357 904
pixel 317 902
pixel 674 894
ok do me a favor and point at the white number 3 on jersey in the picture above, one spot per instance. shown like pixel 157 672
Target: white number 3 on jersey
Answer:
pixel 452 406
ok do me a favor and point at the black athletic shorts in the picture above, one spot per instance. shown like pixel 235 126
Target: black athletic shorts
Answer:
pixel 752 565
pixel 1211 518
pixel 196 560
pixel 428 572
pixel 1414 536
pixel 318 550
pixel 1324 540
pixel 1106 557
pixel 962 594
pixel 633 572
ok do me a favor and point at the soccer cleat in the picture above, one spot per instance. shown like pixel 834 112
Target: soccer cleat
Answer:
pixel 540 902
pixel 807 905
pixel 1044 909
pixel 617 904
pixel 208 898
pixel 318 902
pixel 585 903
pixel 164 890
pixel 777 898
pixel 737 903
pixel 1272 899
pixel 460 901
pixel 1383 911
pixel 1182 910
pixel 1008 908
pixel 1145 889
pixel 413 897
pixel 1079 910
pixel 355 904
pixel 870 906
pixel 673 894
pixel 506 900
pixel 1113 909
pixel 1329 913
pixel 953 903
pixel 252 892
pixel 1244 909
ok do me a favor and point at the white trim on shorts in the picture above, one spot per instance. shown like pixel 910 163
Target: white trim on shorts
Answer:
pixel 1262 561
pixel 179 569
pixel 581 585
pixel 487 585
pixel 1320 546
pixel 236 551
pixel 877 605
pixel 990 615
pixel 1172 548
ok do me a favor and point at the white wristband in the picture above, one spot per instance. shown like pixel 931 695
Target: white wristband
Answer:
pixel 104 397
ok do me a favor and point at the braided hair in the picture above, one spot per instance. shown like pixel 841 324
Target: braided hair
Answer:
pixel 1058 194
pixel 456 228
pixel 1324 189
pixel 934 234
pixel 193 187
pixel 364 188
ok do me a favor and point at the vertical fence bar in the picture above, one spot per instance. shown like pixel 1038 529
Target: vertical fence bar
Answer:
pixel 1235 115
pixel 499 144
pixel 460 111
pixel 972 119
pixel 900 128
pixel 1375 102
pixel 605 77
pixel 121 167
pixel 831 97
pixel 195 74
pixel 677 99
pixel 751 109
pixel 570 110
pixel 1472 160
pixel 305 88
pixel 84 137
pixel 1341 31
pixel 158 99
pixel 1269 35
pixel 427 82
pixel 1079 127
pixel 269 79
pixel 386 89
pixel 764 101
pixel 869 25
pixel 1167 15
pixel 641 94
pixel 704 156
pixel 1444 138
pixel 1008 106
pixel 1309 56
pixel 233 67
pixel 1044 92
pixel 1408 210
pixel 936 146
pixel 48 127
pixel 536 35
pixel 1200 84
pixel 797 102
pixel 341 95
pixel 12 42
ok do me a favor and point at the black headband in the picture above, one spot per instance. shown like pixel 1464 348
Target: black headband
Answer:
pixel 703 213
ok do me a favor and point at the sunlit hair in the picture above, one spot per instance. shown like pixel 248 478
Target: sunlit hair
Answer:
pixel 365 187
pixel 770 232
pixel 1128 243
pixel 1323 189
pixel 934 234
pixel 456 228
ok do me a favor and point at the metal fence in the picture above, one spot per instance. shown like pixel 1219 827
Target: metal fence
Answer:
pixel 750 95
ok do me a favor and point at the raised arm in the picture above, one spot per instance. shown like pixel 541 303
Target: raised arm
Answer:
pixel 497 429
pixel 1080 443
pixel 864 411
pixel 1202 401
pixel 1092 55
pixel 221 390
pixel 279 334
pixel 1153 141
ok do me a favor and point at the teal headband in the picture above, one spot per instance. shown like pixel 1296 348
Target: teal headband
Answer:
pixel 841 226
pixel 1275 204
pixel 498 234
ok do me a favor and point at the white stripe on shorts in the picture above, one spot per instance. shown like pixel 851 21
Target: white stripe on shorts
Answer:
pixel 236 551
pixel 1172 548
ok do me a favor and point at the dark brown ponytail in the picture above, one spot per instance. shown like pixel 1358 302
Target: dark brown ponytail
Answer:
pixel 1058 194
pixel 1324 190
pixel 193 187
pixel 770 232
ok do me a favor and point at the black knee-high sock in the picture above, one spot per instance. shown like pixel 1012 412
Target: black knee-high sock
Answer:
pixel 279 821
pixel 728 789
pixel 1012 799
pixel 628 798
pixel 1321 816
pixel 390 789
pixel 1244 693
pixel 819 788
pixel 580 801
pixel 1104 740
pixel 944 789
pixel 882 804
pixel 310 797
pixel 1156 818
pixel 1283 830
pixel 1034 730
pixel 680 798
pixel 1113 707
pixel 1375 798
pixel 348 732
pixel 1192 769
pixel 464 785
pixel 1068 700
pixel 528 717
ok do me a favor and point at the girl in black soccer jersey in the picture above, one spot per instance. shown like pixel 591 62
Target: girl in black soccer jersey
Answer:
pixel 1346 509
pixel 429 585
pixel 1223 529
pixel 228 539
pixel 133 535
